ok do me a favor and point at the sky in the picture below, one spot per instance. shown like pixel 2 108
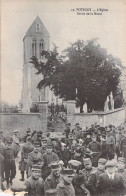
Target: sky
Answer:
pixel 64 25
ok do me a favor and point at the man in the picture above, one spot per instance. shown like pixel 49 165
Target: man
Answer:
pixel 123 146
pixel 104 147
pixel 53 179
pixel 121 165
pixel 77 133
pixel 118 138
pixel 74 164
pixel 26 149
pixel 67 130
pixel 35 157
pixel 2 136
pixel 78 179
pixel 35 184
pixel 93 178
pixel 95 147
pixel 43 148
pixel 9 161
pixel 16 142
pixel 64 155
pixel 2 146
pixel 1 172
pixel 65 187
pixel 48 157
pixel 28 133
pixel 88 169
pixel 110 141
pixel 110 183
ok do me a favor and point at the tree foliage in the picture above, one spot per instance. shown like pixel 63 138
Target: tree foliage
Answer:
pixel 84 71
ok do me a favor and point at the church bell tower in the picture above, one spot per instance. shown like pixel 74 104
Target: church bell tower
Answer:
pixel 35 41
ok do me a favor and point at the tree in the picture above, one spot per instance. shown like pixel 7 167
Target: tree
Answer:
pixel 85 72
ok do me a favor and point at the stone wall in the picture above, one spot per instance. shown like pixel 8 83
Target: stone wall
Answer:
pixel 115 117
pixel 12 121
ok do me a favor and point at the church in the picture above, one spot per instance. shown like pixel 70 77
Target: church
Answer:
pixel 36 40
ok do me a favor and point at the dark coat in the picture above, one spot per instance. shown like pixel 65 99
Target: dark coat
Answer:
pixel 107 187
pixel 65 190
pixel 51 182
pixel 34 188
pixel 92 181
pixel 26 149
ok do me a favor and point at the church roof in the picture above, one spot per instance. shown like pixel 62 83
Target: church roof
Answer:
pixel 37 27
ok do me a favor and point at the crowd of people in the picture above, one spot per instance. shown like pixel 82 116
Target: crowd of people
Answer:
pixel 83 162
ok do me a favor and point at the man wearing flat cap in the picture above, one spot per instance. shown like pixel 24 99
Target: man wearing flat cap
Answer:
pixel 35 184
pixel 110 183
pixel 23 164
pixel 121 165
pixel 16 142
pixel 93 178
pixel 67 130
pixel 43 148
pixel 35 157
pixel 48 157
pixel 9 161
pixel 54 178
pixel 88 169
pixel 123 146
pixel 65 187
pixel 110 141
pixel 78 179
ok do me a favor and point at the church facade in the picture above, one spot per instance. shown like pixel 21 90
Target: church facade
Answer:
pixel 35 41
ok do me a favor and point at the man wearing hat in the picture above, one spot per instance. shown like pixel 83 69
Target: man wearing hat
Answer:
pixel 43 148
pixel 28 133
pixel 79 185
pixel 35 157
pixel 67 130
pixel 48 157
pixel 104 147
pixel 2 146
pixel 121 165
pixel 2 136
pixel 88 138
pixel 54 178
pixel 9 161
pixel 118 138
pixel 110 183
pixel 74 164
pixel 110 141
pixel 64 155
pixel 93 178
pixel 88 169
pixel 16 142
pixel 78 179
pixel 77 133
pixel 1 171
pixel 95 147
pixel 23 164
pixel 35 184
pixel 123 145
pixel 65 187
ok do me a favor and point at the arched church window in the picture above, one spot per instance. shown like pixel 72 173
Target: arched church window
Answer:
pixel 34 48
pixel 41 47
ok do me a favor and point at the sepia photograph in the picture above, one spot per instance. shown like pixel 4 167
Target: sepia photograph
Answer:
pixel 63 98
